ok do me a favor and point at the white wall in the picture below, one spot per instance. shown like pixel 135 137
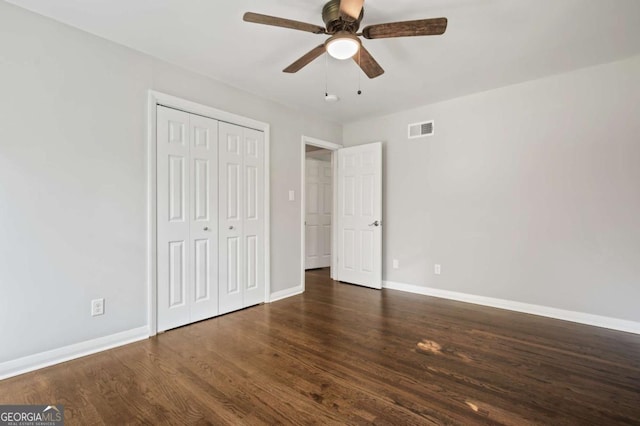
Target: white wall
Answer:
pixel 321 154
pixel 529 193
pixel 73 179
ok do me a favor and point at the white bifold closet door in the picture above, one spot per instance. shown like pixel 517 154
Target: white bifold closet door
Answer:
pixel 187 218
pixel 241 230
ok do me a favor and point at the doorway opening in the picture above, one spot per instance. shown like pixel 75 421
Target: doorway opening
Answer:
pixel 355 224
pixel 319 201
pixel 318 208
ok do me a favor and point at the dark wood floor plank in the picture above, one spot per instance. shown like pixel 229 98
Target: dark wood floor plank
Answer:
pixel 342 354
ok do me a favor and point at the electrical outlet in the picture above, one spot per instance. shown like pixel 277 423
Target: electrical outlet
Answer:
pixel 97 307
pixel 396 264
pixel 436 269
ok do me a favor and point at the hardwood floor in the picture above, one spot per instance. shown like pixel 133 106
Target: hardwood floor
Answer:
pixel 342 354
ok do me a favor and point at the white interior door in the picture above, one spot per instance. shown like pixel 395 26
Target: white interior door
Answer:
pixel 242 222
pixel 187 196
pixel 253 218
pixel 203 262
pixel 319 203
pixel 173 218
pixel 359 219
pixel 231 212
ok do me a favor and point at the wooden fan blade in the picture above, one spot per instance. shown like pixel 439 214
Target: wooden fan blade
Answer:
pixel 281 22
pixel 351 9
pixel 369 65
pixel 420 27
pixel 305 60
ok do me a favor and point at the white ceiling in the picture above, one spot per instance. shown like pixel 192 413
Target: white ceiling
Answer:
pixel 488 44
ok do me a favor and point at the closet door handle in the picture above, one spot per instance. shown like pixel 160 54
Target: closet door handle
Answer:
pixel 206 228
pixel 231 227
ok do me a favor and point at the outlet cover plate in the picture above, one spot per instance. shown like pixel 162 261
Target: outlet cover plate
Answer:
pixel 97 307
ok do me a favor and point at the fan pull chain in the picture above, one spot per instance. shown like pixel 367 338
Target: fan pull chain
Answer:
pixel 359 72
pixel 326 75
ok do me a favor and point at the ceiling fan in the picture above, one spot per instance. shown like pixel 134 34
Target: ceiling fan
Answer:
pixel 342 20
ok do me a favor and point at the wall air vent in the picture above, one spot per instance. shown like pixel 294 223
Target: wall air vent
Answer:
pixel 419 130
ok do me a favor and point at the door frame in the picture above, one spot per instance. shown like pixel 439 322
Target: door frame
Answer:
pixel 307 140
pixel 154 99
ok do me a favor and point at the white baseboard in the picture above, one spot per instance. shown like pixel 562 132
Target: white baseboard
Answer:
pixel 545 311
pixel 283 294
pixel 45 359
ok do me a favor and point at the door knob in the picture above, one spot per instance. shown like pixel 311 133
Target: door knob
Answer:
pixel 231 227
pixel 206 228
pixel 376 223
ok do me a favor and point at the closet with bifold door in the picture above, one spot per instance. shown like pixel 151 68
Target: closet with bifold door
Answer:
pixel 210 217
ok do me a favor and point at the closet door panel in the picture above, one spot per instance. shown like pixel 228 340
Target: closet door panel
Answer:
pixel 173 214
pixel 253 217
pixel 204 218
pixel 232 206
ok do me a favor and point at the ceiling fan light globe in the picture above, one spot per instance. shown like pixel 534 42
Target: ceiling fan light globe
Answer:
pixel 343 47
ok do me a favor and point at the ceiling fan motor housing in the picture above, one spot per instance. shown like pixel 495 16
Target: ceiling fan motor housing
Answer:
pixel 334 21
